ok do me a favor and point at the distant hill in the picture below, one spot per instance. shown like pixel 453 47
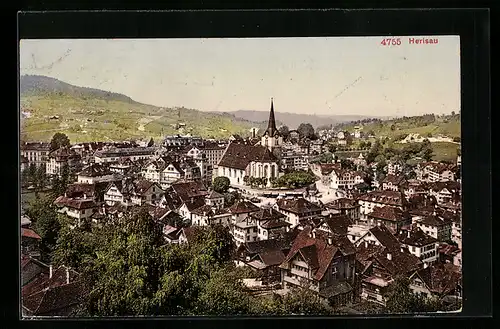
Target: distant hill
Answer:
pixel 39 84
pixel 49 105
pixel 293 120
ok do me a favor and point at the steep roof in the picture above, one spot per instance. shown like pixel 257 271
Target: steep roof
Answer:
pixel 439 278
pixel 401 263
pixel 28 233
pixel 389 213
pixel 385 237
pixel 243 207
pixel 55 298
pixel 415 237
pixel 342 203
pixel 194 203
pixel 298 206
pixel 338 223
pixel 213 195
pixel 394 179
pixel 317 251
pixel 63 201
pixel 188 190
pixel 95 170
pixel 391 198
pixel 271 258
pixel 239 155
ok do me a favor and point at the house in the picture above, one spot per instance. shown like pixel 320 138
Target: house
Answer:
pixel 188 206
pixel 324 263
pixel 297 210
pixel 337 224
pixel 270 223
pixel 381 270
pixel 370 200
pixel 444 191
pixel 57 294
pixel 31 268
pixel 60 158
pixel 264 257
pixel 35 152
pixel 170 200
pixel 187 190
pixel 78 209
pixel 96 173
pixel 245 230
pixel 437 280
pixel 394 167
pixel 212 151
pixel 434 172
pixel 419 244
pixel 340 135
pixel 30 242
pixel 119 154
pixel 86 191
pixel 450 254
pixel 241 209
pixel 379 235
pixel 393 182
pixel 393 218
pixel 434 225
pixel 345 206
pixel 138 192
pixel 208 215
pixel 188 234
pixel 240 160
pixel 214 199
pixel 345 179
pixel 323 170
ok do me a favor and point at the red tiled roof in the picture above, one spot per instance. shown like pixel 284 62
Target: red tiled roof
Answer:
pixel 239 155
pixel 188 190
pixel 342 203
pixel 385 237
pixel 75 203
pixel 440 280
pixel 416 238
pixel 389 213
pixel 243 207
pixel 27 233
pixel 401 263
pixel 394 179
pixel 391 198
pixel 298 206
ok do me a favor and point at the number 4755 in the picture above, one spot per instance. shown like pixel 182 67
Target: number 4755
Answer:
pixel 391 41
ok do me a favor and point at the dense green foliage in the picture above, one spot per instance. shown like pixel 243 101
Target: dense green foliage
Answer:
pixel 306 130
pixel 401 299
pixel 46 223
pixel 59 140
pixel 295 179
pixel 221 184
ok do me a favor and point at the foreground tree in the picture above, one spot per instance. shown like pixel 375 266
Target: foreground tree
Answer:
pixel 59 140
pixel 402 300
pixel 46 223
pixel 284 131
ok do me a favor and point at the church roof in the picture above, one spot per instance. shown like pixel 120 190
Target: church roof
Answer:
pixel 271 125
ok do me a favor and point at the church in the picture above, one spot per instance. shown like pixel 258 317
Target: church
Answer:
pixel 241 158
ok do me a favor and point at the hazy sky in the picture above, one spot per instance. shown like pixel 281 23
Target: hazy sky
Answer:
pixel 355 75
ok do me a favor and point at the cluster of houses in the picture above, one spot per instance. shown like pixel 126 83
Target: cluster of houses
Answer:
pixel 346 250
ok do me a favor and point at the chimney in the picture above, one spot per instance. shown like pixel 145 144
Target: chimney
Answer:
pixel 408 234
pixel 425 265
pixel 366 244
pixel 378 223
pixel 50 271
pixel 389 256
pixel 67 275
pixel 314 234
pixel 402 249
pixel 330 240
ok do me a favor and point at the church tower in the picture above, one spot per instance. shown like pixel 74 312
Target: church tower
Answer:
pixel 272 138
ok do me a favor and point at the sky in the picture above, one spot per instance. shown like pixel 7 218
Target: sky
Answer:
pixel 322 76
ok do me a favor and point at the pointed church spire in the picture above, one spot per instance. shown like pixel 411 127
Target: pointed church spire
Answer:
pixel 271 126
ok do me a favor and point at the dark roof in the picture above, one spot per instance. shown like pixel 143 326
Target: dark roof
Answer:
pixel 59 277
pixel 271 125
pixel 391 198
pixel 188 190
pixel 389 213
pixel 194 203
pixel 190 232
pixel 35 146
pixel 365 251
pixel 448 249
pixel 342 203
pixel 435 220
pixel 171 200
pixel 95 170
pixel 263 246
pixel 335 289
pixel 385 237
pixel 267 214
pixel 242 207
pixel 273 257
pixel 401 263
pixel 63 201
pixel 298 206
pixel 54 299
pixel 213 195
pixel 394 179
pixel 438 167
pixel 338 223
pixel 239 155
pixel 317 251
pixel 439 278
pixel 415 237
